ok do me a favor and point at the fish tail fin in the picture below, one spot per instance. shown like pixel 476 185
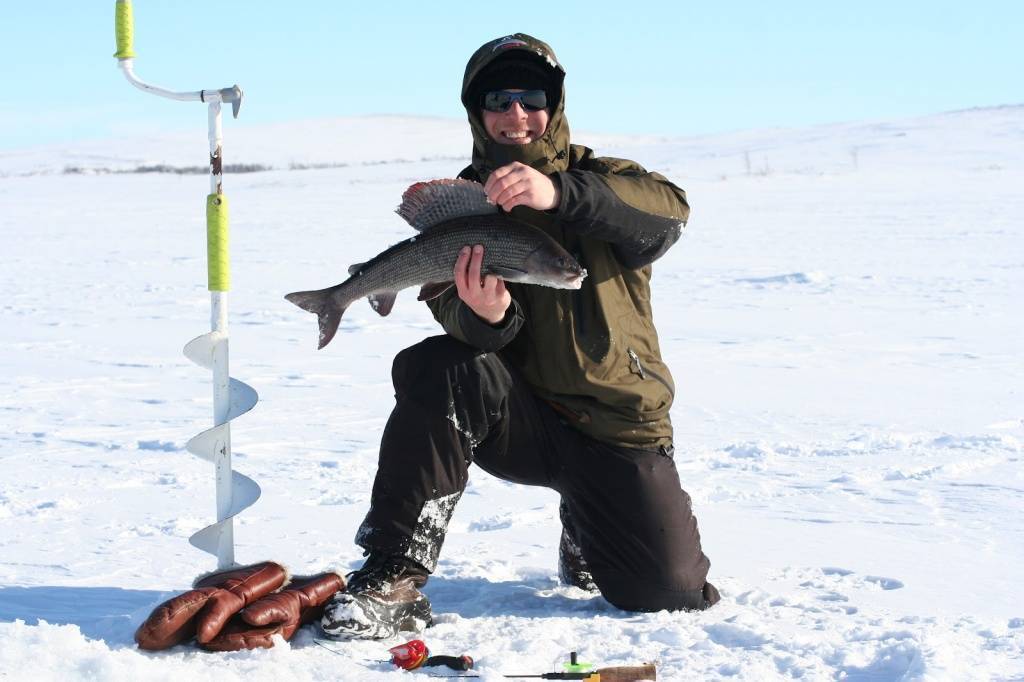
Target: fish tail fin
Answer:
pixel 321 303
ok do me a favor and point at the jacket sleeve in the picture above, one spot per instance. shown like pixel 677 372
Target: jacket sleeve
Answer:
pixel 614 200
pixel 460 322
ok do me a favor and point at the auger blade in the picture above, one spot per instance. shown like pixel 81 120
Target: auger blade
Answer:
pixel 214 445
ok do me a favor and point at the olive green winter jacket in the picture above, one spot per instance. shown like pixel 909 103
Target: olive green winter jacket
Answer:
pixel 592 353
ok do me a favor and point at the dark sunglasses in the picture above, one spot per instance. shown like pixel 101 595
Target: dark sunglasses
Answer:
pixel 500 101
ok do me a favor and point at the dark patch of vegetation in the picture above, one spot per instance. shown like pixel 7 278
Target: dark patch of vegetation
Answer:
pixel 165 168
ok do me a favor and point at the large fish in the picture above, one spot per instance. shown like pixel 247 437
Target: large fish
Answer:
pixel 449 214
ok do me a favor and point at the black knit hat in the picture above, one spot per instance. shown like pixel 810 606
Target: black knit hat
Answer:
pixel 516 70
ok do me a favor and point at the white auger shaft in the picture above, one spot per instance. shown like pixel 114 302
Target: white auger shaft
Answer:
pixel 231 397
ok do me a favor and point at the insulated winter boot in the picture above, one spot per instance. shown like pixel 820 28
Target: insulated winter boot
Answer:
pixel 381 600
pixel 572 567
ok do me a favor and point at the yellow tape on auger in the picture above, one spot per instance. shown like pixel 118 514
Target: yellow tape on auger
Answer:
pixel 123 28
pixel 218 264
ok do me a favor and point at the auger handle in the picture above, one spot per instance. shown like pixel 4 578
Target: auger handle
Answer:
pixel 124 27
pixel 628 673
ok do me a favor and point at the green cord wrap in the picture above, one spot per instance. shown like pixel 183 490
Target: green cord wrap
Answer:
pixel 218 263
pixel 123 28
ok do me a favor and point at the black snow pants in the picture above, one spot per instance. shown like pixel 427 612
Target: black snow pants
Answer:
pixel 457 405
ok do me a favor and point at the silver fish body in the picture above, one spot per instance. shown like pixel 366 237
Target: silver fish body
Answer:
pixel 513 250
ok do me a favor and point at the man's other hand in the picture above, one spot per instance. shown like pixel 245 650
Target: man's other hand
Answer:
pixel 517 184
pixel 486 296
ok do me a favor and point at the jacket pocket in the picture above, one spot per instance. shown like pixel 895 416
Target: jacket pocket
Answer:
pixel 637 367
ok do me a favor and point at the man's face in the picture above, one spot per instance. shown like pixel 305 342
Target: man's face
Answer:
pixel 515 126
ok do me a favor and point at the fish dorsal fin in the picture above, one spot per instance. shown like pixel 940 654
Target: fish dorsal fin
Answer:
pixel 426 204
pixel 354 268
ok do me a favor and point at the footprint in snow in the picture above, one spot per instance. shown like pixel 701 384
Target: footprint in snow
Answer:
pixel 884 583
pixel 491 523
pixel 158 445
pixel 850 577
pixel 508 519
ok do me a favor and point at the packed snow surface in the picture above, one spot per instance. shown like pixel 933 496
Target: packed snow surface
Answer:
pixel 839 316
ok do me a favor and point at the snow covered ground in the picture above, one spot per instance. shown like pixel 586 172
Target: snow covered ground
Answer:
pixel 839 316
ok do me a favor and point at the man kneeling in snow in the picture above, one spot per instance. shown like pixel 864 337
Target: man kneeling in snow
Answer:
pixel 551 387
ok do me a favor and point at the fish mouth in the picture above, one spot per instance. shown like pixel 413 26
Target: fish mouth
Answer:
pixel 574 280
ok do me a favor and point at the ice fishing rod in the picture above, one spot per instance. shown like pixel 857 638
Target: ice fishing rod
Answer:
pixel 231 397
pixel 575 670
pixel 633 673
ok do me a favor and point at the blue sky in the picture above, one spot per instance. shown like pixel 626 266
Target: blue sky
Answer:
pixel 675 68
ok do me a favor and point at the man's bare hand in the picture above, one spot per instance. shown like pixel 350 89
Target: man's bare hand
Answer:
pixel 486 296
pixel 517 184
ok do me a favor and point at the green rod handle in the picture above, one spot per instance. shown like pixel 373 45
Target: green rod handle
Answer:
pixel 218 265
pixel 123 29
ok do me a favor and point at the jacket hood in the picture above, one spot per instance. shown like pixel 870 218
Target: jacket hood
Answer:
pixel 550 152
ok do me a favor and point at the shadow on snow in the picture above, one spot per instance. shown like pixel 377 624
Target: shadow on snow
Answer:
pixel 111 614
pixel 107 613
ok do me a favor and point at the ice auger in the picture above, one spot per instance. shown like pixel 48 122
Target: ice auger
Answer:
pixel 231 397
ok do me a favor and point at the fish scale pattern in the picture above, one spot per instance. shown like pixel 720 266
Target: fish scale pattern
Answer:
pixel 430 257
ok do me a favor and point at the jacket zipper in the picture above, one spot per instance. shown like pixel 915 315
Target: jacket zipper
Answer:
pixel 644 372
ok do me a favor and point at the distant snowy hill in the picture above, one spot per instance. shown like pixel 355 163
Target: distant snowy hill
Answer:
pixel 990 136
pixel 842 318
